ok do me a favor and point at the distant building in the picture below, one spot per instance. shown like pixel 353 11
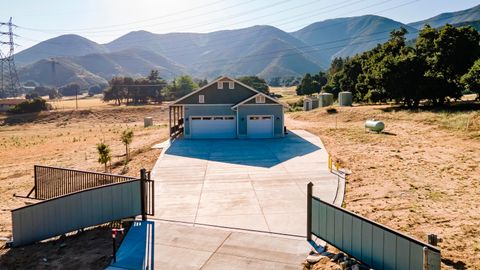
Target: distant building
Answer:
pixel 7 104
pixel 227 108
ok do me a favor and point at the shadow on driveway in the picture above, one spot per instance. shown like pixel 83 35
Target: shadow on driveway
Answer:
pixel 264 153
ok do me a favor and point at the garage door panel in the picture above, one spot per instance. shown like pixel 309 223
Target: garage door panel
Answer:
pixel 260 126
pixel 214 127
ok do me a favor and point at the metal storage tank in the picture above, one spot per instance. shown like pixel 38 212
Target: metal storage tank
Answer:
pixel 345 98
pixel 314 103
pixel 325 99
pixel 307 104
pixel 374 125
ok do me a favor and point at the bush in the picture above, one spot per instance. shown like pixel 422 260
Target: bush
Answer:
pixel 30 106
pixel 70 90
pixel 296 105
pixel 331 110
pixel 95 90
pixel 32 95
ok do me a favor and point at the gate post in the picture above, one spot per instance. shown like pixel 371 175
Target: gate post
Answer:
pixel 309 211
pixel 143 194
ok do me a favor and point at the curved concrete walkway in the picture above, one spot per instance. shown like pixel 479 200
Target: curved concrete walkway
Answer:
pixel 246 184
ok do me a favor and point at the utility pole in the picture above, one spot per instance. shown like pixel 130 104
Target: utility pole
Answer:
pixel 76 99
pixel 9 82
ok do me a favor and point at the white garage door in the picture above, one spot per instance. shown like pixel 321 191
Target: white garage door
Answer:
pixel 213 127
pixel 260 126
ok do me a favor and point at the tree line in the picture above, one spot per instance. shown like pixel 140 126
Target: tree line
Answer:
pixel 442 64
pixel 153 88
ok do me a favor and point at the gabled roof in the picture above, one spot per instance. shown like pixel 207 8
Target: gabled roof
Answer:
pixel 254 96
pixel 223 78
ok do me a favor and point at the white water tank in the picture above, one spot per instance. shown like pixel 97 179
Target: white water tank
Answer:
pixel 345 98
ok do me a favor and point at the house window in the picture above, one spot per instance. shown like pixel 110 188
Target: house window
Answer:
pixel 231 85
pixel 201 99
pixel 220 85
pixel 260 99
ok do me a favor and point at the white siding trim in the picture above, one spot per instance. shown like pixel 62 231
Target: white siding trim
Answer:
pixel 207 104
pixel 235 81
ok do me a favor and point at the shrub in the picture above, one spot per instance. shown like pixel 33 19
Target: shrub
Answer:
pixel 29 106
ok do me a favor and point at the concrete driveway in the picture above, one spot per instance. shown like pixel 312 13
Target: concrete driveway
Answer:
pixel 246 184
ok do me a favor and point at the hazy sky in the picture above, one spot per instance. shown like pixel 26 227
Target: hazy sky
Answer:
pixel 103 21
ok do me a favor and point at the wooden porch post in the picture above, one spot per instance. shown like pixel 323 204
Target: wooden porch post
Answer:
pixel 170 120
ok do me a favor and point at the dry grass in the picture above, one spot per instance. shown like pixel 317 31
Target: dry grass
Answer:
pixel 422 176
pixel 84 102
pixel 68 139
pixel 286 94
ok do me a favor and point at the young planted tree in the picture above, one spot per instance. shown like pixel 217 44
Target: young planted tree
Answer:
pixel 103 154
pixel 127 138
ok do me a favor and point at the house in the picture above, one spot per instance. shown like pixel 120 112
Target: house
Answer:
pixel 227 108
pixel 7 104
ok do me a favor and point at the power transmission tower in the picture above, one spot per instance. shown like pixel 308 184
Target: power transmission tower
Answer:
pixel 9 83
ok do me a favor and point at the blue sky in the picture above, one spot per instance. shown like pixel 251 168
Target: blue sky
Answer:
pixel 103 21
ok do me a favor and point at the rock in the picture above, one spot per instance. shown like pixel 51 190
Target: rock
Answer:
pixel 355 267
pixel 44 260
pixel 314 258
pixel 337 257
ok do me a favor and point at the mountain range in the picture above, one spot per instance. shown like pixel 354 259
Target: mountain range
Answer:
pixel 260 50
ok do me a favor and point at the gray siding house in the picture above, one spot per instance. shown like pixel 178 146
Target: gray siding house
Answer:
pixel 226 108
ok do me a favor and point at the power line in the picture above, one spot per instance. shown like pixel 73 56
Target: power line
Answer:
pixel 231 39
pixel 9 82
pixel 286 50
pixel 311 47
pixel 144 20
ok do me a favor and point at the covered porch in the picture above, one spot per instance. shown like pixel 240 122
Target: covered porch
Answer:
pixel 175 120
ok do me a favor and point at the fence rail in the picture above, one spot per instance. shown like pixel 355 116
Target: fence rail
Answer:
pixel 374 244
pixel 51 182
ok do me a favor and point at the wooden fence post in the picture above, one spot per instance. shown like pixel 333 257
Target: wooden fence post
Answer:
pixel 143 194
pixel 309 211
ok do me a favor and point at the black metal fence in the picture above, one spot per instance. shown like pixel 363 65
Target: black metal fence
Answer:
pixel 148 194
pixel 51 182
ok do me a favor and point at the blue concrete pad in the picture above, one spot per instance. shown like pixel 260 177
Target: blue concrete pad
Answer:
pixel 136 250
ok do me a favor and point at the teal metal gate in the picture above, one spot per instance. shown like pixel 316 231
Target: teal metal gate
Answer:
pixel 371 243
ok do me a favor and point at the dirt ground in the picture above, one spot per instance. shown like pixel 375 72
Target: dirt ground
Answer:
pixel 422 176
pixel 90 249
pixel 68 138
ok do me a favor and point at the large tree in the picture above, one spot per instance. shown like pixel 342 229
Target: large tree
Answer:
pixel 72 89
pixel 455 50
pixel 471 80
pixel 312 84
pixel 255 82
